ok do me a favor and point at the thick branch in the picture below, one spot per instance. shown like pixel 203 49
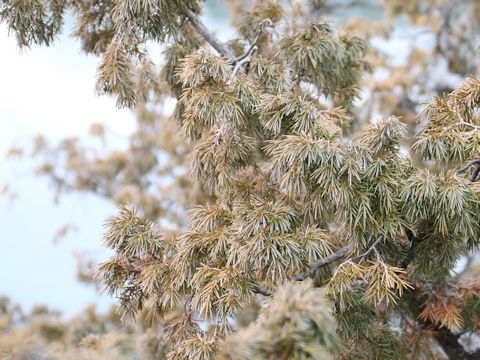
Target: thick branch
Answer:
pixel 206 34
pixel 320 263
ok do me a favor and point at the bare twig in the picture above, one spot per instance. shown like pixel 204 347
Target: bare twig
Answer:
pixel 348 261
pixel 315 266
pixel 218 45
pixel 206 34
pixel 239 64
pixel 373 247
pixel 361 257
pixel 254 42
pixel 475 127
pixel 320 263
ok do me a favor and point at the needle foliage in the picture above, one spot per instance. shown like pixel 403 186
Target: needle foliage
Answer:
pixel 310 234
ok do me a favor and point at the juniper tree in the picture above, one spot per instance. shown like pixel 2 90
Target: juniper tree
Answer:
pixel 318 235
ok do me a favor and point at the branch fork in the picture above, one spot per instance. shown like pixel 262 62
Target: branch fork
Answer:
pixel 476 170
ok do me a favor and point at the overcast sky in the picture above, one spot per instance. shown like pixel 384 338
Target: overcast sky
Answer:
pixel 51 91
pixel 48 91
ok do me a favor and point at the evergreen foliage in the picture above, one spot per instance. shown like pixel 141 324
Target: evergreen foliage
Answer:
pixel 293 187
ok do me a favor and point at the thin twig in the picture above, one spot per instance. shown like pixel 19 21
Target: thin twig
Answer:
pixel 373 247
pixel 475 127
pixel 218 45
pixel 254 43
pixel 467 166
pixel 348 261
pixel 239 64
pixel 320 263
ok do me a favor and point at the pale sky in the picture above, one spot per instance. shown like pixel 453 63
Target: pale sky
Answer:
pixel 51 91
pixel 48 91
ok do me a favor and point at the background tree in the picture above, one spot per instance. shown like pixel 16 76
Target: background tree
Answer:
pixel 291 183
pixel 45 334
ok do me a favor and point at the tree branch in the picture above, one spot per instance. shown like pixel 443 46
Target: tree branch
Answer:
pixel 467 166
pixel 320 263
pixel 254 43
pixel 475 127
pixel 238 65
pixel 315 266
pixel 263 292
pixel 206 34
pixel 473 178
pixel 373 247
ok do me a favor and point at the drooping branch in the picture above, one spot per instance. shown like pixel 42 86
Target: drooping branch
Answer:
pixel 206 34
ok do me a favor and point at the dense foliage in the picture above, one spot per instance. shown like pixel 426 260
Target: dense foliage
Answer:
pixel 311 233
